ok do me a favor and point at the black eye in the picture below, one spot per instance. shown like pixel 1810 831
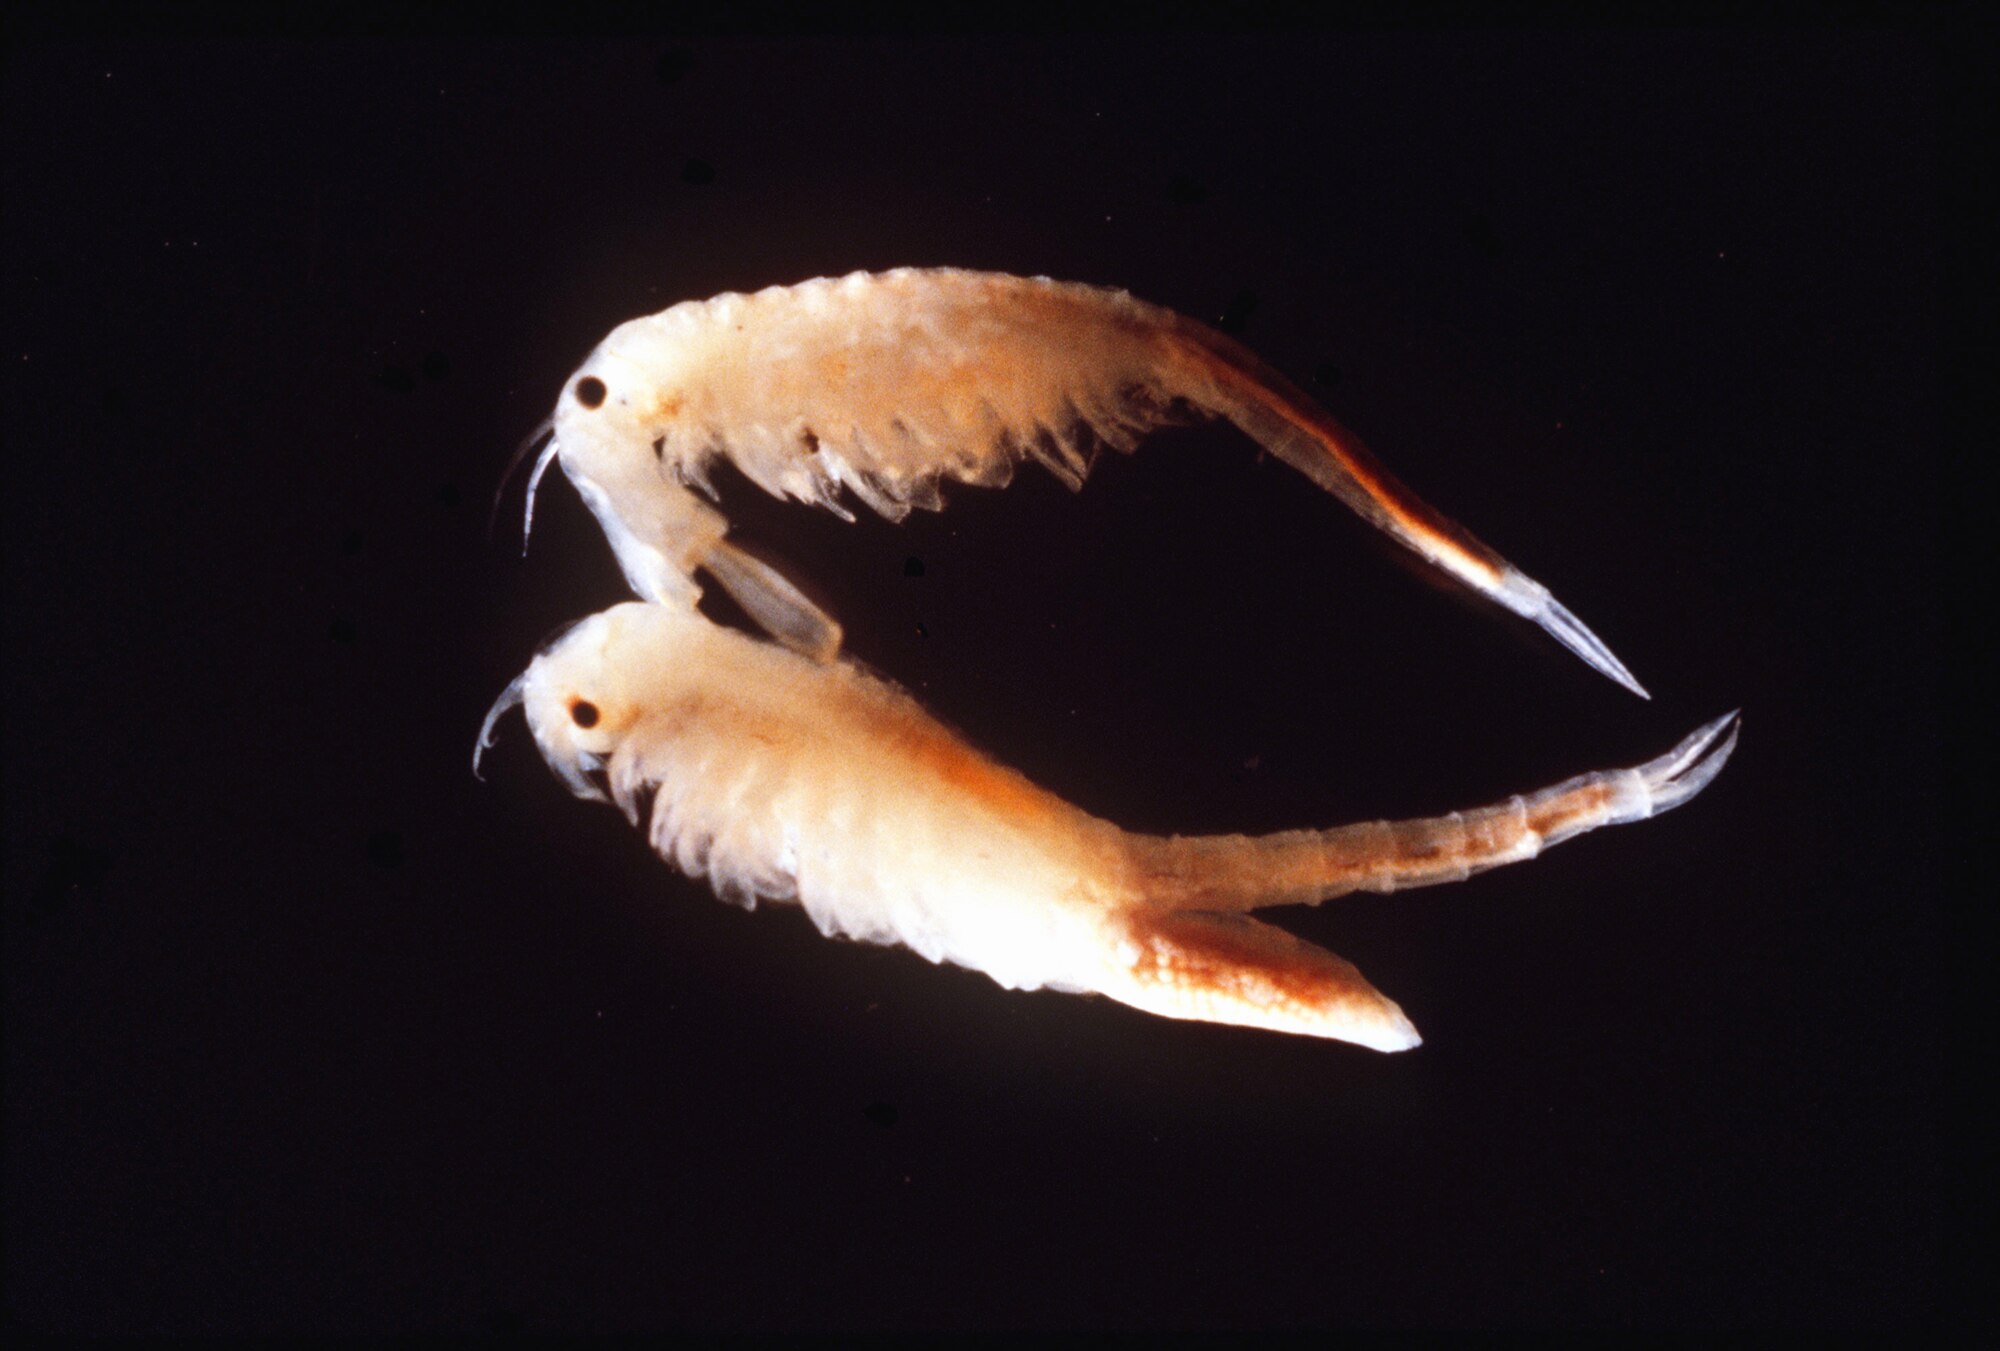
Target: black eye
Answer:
pixel 590 391
pixel 583 713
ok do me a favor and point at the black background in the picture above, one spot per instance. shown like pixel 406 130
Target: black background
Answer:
pixel 306 1029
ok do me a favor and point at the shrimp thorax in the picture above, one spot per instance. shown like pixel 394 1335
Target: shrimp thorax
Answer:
pixel 879 385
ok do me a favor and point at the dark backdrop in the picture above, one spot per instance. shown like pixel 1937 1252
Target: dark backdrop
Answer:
pixel 308 1030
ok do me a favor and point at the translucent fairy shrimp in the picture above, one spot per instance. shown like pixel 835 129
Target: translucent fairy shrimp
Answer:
pixel 883 386
pixel 781 778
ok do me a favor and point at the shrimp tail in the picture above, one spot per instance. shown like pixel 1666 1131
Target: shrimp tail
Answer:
pixel 1232 873
pixel 1291 425
pixel 1191 952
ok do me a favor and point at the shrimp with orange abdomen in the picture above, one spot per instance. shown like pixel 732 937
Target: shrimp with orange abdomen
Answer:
pixel 777 776
pixel 883 386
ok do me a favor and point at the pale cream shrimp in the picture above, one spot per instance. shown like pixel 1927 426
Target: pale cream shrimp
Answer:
pixel 883 385
pixel 781 778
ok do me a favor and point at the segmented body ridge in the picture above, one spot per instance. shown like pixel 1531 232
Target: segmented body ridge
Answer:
pixel 889 384
pixel 777 779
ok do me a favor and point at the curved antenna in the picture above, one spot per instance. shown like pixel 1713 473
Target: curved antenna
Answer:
pixel 510 698
pixel 535 482
pixel 546 427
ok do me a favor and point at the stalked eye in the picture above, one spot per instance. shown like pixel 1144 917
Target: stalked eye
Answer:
pixel 590 391
pixel 583 713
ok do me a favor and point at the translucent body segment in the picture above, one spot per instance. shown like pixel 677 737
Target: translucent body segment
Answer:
pixel 1237 872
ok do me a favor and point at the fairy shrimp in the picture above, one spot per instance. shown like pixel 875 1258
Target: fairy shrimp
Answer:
pixel 881 387
pixel 778 777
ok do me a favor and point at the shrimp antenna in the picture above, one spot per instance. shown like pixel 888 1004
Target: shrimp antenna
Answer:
pixel 510 698
pixel 543 428
pixel 534 483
